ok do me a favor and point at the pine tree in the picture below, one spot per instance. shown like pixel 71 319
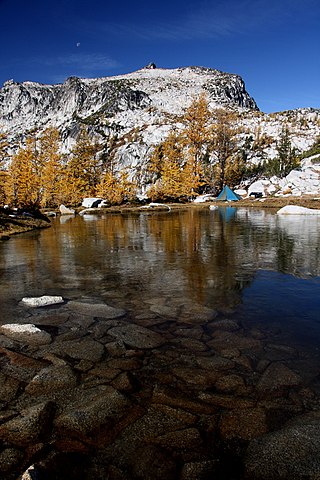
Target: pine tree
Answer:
pixel 287 158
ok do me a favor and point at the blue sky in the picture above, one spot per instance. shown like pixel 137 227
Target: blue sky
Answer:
pixel 273 44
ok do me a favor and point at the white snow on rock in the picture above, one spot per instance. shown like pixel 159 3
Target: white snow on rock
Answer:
pixel 296 210
pixel 27 333
pixel 42 301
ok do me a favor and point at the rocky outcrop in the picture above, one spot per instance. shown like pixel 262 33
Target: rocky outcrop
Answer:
pixel 129 114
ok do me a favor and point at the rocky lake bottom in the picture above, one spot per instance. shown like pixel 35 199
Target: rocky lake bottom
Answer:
pixel 173 391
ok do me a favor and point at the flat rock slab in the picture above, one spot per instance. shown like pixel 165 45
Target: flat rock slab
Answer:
pixel 85 349
pixel 26 333
pixel 137 336
pixel 43 301
pixel 277 378
pixel 52 379
pixel 290 453
pixel 96 309
pixel 94 409
pixel 18 366
pixel 29 427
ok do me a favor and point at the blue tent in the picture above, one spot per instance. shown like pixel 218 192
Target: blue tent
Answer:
pixel 228 195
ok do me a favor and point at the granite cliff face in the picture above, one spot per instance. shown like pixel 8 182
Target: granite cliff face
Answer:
pixel 129 114
pixel 28 105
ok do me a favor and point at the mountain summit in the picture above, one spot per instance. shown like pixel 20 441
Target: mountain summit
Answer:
pixel 28 105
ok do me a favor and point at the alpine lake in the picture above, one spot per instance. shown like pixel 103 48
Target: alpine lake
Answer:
pixel 186 347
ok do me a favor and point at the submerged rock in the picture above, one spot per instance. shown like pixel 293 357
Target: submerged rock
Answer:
pixel 26 333
pixel 96 309
pixel 95 408
pixel 136 336
pixel 29 427
pixel 85 349
pixel 290 453
pixel 277 379
pixel 51 379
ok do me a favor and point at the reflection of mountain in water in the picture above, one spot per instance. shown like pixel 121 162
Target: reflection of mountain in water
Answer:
pixel 294 246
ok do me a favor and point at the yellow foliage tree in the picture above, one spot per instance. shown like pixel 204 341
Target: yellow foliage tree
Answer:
pixel 178 161
pixel 23 185
pixel 3 175
pixel 166 162
pixel 50 161
pixel 81 174
pixel 116 189
pixel 196 136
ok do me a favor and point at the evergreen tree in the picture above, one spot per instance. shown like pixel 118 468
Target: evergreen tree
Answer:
pixel 287 158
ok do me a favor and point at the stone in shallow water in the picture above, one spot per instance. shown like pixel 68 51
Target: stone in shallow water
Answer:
pixel 85 349
pixel 29 427
pixel 277 379
pixel 18 366
pixel 8 388
pixel 65 210
pixel 96 309
pixel 9 459
pixel 244 424
pixel 26 333
pixel 95 408
pixel 51 379
pixel 43 301
pixel 137 336
pixel 290 453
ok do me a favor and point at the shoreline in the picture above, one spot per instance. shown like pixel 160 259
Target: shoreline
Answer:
pixel 14 225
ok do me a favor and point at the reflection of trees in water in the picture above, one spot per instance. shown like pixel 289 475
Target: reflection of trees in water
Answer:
pixel 209 256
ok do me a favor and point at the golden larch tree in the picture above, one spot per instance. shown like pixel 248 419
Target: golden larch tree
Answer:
pixel 23 185
pixel 81 174
pixel 116 189
pixel 196 136
pixel 50 159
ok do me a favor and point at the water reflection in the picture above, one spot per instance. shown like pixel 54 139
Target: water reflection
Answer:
pixel 207 256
